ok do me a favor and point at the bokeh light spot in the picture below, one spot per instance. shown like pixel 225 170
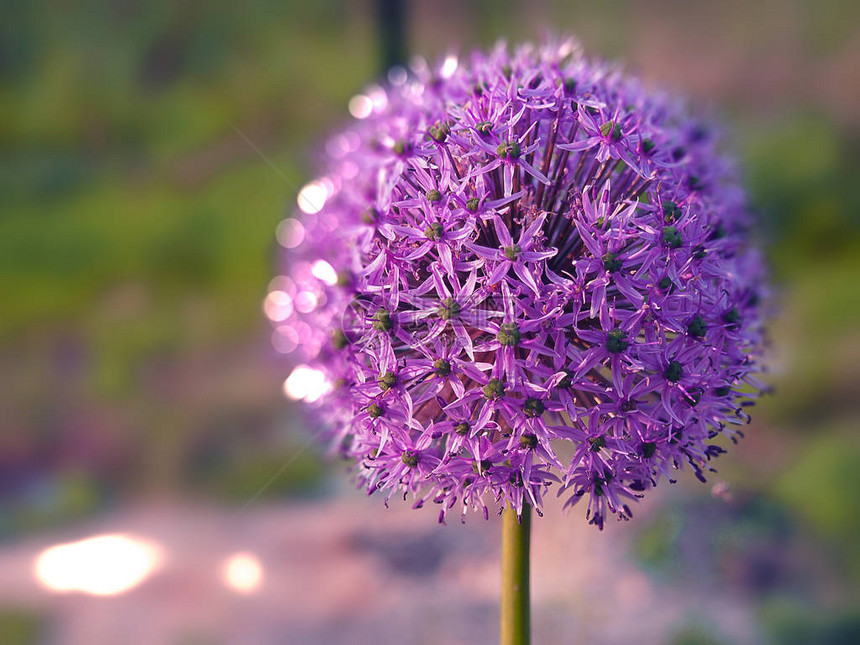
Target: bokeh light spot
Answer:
pixel 278 306
pixel 360 106
pixel 325 272
pixel 104 565
pixel 290 233
pixel 312 197
pixel 449 66
pixel 306 384
pixel 306 302
pixel 243 573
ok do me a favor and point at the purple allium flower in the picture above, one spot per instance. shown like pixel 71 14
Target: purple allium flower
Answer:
pixel 519 273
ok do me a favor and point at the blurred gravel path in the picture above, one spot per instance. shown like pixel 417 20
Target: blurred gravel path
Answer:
pixel 345 571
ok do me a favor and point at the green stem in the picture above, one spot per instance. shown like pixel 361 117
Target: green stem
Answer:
pixel 515 627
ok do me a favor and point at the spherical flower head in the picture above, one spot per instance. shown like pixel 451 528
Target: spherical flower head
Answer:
pixel 539 277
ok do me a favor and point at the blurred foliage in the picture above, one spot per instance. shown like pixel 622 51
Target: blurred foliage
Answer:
pixel 137 223
pixel 657 541
pixel 791 623
pixel 109 162
pixel 829 466
pixel 237 472
pixel 21 628
pixel 716 538
pixel 802 172
pixel 695 633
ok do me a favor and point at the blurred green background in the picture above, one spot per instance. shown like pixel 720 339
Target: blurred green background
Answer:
pixel 137 240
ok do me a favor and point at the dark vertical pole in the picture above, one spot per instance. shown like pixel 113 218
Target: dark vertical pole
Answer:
pixel 392 32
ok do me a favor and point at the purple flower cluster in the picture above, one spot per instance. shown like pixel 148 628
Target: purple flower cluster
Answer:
pixel 522 272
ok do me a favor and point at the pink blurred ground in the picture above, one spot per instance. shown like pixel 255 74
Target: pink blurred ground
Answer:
pixel 347 571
